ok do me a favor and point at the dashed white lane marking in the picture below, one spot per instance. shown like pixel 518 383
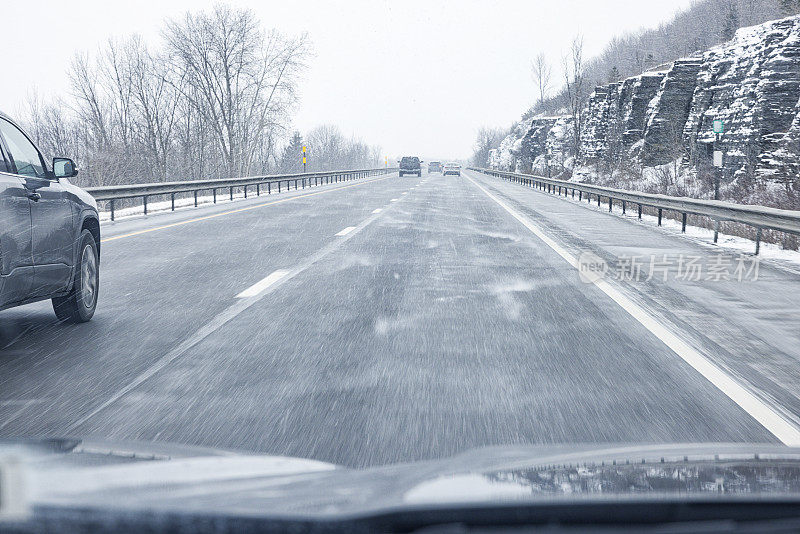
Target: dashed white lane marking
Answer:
pixel 345 231
pixel 217 322
pixel 378 210
pixel 758 409
pixel 261 285
pixel 394 200
pixel 404 193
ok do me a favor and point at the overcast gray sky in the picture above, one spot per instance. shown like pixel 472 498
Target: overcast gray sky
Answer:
pixel 415 77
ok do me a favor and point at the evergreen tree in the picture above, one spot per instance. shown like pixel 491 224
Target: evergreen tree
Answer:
pixel 292 157
pixel 614 75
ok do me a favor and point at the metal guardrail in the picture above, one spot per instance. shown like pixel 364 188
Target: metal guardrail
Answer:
pixel 759 217
pixel 272 183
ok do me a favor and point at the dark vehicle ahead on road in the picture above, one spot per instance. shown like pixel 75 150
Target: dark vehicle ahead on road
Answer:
pixel 435 166
pixel 410 165
pixel 49 231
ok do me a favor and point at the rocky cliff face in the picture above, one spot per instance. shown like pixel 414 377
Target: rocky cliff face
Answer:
pixel 535 145
pixel 752 83
pixel 616 116
pixel 643 89
pixel 667 113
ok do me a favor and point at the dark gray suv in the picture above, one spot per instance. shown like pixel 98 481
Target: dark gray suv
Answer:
pixel 49 231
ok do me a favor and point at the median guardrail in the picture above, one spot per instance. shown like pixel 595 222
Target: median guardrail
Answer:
pixel 758 217
pixel 272 183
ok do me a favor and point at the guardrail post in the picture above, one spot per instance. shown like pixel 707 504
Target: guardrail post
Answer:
pixel 640 211
pixel 112 209
pixel 245 191
pixel 279 186
pixel 683 223
pixel 269 188
pixel 610 204
pixel 758 240
pixel 623 207
pixel 580 195
pixel 258 190
pixel 716 230
pixel 659 216
pixel 598 201
pixel 144 203
pixel 573 193
pixel 172 198
pixel 215 194
pixel 231 193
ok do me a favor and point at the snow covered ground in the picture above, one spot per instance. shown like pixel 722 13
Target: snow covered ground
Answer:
pixel 788 259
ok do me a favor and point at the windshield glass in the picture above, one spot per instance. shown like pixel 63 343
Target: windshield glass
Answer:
pixel 480 238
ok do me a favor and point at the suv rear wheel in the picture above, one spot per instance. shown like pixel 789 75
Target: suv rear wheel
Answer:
pixel 79 305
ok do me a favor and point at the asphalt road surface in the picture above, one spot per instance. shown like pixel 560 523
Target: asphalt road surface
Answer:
pixel 400 319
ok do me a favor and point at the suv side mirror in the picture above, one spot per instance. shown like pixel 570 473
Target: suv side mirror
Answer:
pixel 64 168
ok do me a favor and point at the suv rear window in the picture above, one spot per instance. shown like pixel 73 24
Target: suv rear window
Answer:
pixel 406 161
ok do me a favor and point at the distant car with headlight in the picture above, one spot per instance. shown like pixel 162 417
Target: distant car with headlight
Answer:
pixel 435 166
pixel 452 168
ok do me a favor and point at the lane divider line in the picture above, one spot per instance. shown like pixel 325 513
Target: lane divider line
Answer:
pixel 394 200
pixel 345 231
pixel 239 210
pixel 769 418
pixel 377 210
pixel 263 284
pixel 218 322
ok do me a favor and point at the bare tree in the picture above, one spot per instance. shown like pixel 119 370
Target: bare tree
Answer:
pixel 575 90
pixel 487 139
pixel 328 148
pixel 155 104
pixel 541 71
pixel 240 80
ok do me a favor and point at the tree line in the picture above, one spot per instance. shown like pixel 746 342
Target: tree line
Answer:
pixel 214 99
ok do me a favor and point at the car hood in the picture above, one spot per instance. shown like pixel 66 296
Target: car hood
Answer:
pixel 139 476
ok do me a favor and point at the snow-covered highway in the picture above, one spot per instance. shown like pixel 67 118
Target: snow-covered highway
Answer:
pixel 398 319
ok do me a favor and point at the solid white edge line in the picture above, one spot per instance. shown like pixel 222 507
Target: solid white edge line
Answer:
pixel 345 231
pixel 784 430
pixel 262 284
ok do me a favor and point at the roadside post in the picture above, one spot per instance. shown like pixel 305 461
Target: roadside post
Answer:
pixel 304 159
pixel 719 129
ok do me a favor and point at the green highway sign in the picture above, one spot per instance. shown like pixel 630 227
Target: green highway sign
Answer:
pixel 719 126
